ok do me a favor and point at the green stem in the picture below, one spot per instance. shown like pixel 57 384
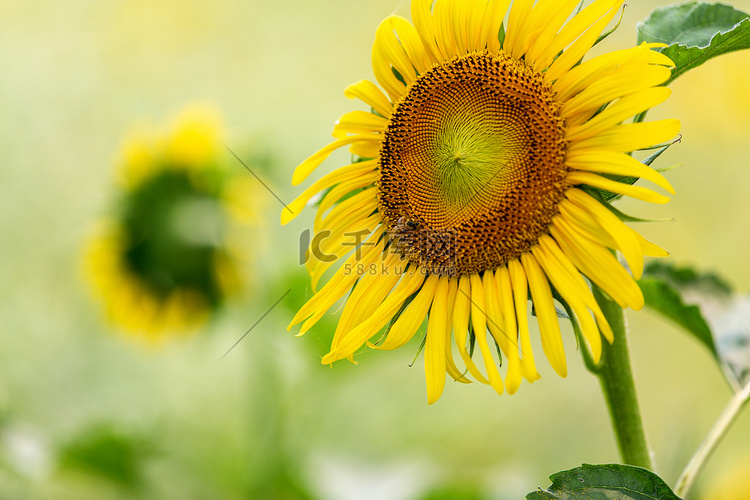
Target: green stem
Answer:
pixel 616 380
pixel 694 468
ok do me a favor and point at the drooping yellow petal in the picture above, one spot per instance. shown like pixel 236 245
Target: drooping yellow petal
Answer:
pixel 587 211
pixel 568 291
pixel 411 280
pixel 373 286
pixel 505 291
pixel 461 313
pixel 520 299
pixel 479 324
pixel 336 287
pixel 598 263
pixel 494 313
pixel 649 248
pixel 434 348
pixel 406 326
pixel 549 326
pixel 450 364
pixel 576 282
pixel 384 74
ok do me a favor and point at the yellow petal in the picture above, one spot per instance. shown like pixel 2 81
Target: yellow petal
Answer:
pixel 401 46
pixel 358 122
pixel 340 283
pixel 406 326
pixel 373 286
pixel 461 313
pixel 579 47
pixel 572 30
pixel 617 112
pixel 434 349
pixel 479 324
pixel 622 82
pixel 353 176
pixel 384 74
pixel 519 12
pixel 597 181
pixel 624 237
pixel 370 94
pixel 575 282
pixel 505 291
pixel 520 299
pixel 572 295
pixel 424 23
pixel 616 163
pixel 491 22
pixel 450 364
pixel 549 326
pixel 306 167
pixel 544 22
pixel 598 263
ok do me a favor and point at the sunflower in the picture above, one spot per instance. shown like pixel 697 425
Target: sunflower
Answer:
pixel 478 186
pixel 166 261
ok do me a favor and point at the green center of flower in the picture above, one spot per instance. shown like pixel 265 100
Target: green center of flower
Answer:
pixel 474 160
pixel 173 233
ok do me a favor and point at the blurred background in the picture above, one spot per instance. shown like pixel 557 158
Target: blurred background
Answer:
pixel 88 413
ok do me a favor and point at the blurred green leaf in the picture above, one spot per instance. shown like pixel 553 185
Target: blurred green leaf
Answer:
pixel 106 452
pixel 696 32
pixel 706 307
pixel 458 491
pixel 605 482
pixel 663 286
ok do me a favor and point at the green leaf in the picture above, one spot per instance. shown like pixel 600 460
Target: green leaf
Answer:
pixel 696 32
pixel 732 332
pixel 107 453
pixel 663 287
pixel 605 482
pixel 706 307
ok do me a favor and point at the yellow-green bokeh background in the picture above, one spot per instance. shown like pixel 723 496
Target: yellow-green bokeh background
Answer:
pixel 75 76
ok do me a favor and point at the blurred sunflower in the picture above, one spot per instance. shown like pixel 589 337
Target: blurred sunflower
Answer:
pixel 477 181
pixel 168 258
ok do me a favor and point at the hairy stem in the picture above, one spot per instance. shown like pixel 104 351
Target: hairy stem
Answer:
pixel 616 380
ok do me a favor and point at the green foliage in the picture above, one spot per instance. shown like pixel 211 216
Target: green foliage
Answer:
pixel 706 307
pixel 605 482
pixel 108 453
pixel 459 491
pixel 663 285
pixel 696 32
